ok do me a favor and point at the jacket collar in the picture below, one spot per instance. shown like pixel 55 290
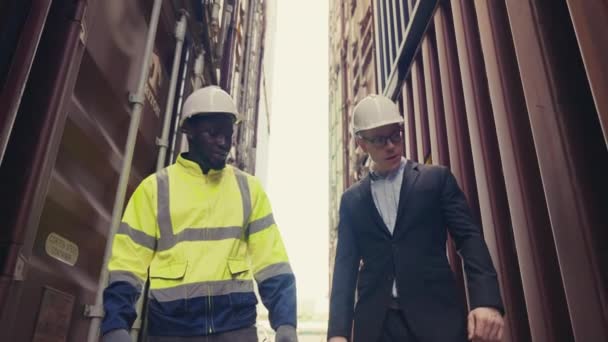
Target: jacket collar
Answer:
pixel 194 169
pixel 374 175
pixel 410 176
pixel 368 201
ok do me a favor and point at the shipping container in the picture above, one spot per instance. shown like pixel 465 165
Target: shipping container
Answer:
pixel 65 136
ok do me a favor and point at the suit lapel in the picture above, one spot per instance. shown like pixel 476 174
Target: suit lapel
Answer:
pixel 369 202
pixel 410 176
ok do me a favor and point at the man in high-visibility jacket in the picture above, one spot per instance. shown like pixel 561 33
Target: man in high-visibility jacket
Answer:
pixel 202 231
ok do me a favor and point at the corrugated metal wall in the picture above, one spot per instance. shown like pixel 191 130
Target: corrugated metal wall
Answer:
pixel 511 95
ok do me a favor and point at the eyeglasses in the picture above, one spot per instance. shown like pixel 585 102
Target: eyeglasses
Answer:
pixel 380 141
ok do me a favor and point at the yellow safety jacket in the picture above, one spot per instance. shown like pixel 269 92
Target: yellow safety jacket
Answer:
pixel 201 239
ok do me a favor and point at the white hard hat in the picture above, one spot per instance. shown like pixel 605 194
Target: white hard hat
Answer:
pixel 375 111
pixel 209 100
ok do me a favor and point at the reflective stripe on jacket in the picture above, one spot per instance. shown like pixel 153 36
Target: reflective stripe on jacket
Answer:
pixel 203 238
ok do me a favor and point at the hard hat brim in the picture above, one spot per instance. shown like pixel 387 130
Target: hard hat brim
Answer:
pixel 237 118
pixel 396 120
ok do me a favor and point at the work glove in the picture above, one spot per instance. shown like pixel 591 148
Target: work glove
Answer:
pixel 119 335
pixel 285 333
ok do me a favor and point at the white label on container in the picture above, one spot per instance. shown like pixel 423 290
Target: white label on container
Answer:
pixel 61 249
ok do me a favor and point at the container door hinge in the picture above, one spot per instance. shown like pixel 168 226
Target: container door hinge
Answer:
pixel 162 142
pixel 20 266
pixel 134 99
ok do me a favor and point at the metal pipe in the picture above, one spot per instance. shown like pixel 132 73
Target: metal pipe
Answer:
pixel 179 139
pixel 247 56
pixel 215 14
pixel 224 32
pixel 96 311
pixel 177 134
pixel 199 65
pixel 163 142
pixel 242 153
pixel 231 12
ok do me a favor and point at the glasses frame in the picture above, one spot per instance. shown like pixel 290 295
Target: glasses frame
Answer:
pixel 382 140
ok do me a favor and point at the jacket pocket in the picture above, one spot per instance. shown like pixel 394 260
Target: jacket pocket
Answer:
pixel 238 266
pixel 167 300
pixel 172 271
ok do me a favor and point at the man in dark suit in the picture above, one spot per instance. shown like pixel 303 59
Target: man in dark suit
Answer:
pixel 392 248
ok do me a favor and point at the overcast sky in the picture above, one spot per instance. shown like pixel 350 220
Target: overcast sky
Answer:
pixel 298 165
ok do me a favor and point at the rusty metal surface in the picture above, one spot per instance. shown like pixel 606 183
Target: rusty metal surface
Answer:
pixel 562 117
pixel 72 169
pixel 540 274
pixel 494 208
pixel 459 149
pixel 482 133
pixel 26 161
pixel 437 130
pixel 589 19
pixel 53 320
pixel 21 62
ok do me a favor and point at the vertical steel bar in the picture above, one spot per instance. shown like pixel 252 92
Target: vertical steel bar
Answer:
pixel 395 28
pixel 388 29
pixel 459 147
pixel 138 104
pixel 540 275
pixel 384 52
pixel 163 142
pixel 378 46
pixel 411 120
pixel 493 203
pixel 419 99
pixel 405 100
pixel 453 101
pixel 437 133
pixel 437 126
pixel 404 19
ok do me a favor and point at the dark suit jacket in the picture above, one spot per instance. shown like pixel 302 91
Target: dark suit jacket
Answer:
pixel 369 258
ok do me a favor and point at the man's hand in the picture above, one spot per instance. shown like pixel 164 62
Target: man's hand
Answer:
pixel 286 333
pixel 485 325
pixel 338 339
